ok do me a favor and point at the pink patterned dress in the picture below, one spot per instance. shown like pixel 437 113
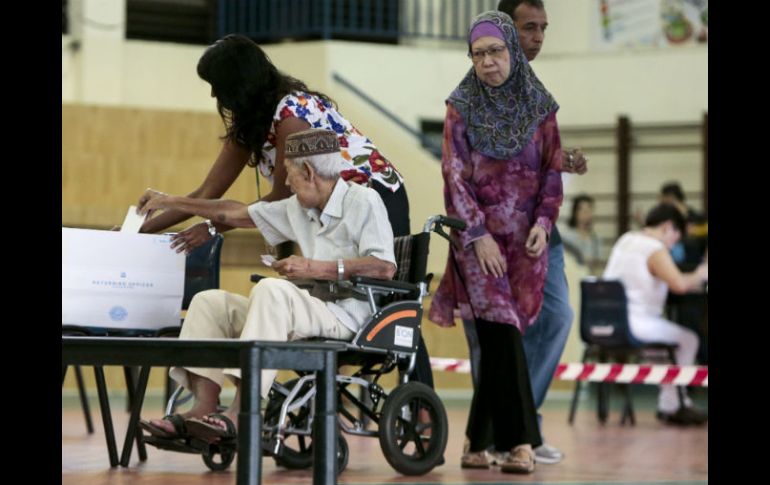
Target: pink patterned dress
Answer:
pixel 503 198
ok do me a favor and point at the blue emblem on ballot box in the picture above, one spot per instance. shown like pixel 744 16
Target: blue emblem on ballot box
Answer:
pixel 118 313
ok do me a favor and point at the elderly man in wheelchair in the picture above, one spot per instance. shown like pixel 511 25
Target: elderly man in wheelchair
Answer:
pixel 332 292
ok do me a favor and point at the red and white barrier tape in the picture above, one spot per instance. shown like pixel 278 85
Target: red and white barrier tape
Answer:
pixel 680 375
pixel 684 375
pixel 462 366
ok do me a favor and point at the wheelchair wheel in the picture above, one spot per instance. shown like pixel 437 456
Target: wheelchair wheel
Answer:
pixel 408 413
pixel 218 460
pixel 293 460
pixel 343 453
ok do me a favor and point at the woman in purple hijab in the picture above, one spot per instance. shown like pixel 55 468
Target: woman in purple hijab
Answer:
pixel 501 165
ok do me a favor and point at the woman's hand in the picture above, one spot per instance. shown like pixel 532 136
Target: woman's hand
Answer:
pixel 536 241
pixel 151 201
pixel 489 256
pixel 190 238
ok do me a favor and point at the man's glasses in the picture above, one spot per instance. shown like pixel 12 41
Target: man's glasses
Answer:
pixel 495 52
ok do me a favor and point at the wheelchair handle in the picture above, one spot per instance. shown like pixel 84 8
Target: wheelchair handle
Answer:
pixel 453 223
pixel 435 223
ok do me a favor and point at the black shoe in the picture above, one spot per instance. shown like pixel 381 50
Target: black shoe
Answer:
pixel 684 416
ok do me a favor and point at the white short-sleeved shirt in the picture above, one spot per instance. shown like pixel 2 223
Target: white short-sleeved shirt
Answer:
pixel 353 224
pixel 646 294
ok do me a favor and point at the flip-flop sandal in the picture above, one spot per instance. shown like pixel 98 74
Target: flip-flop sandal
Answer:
pixel 176 420
pixel 197 428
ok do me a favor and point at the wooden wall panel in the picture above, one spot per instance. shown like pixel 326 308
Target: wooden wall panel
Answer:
pixel 111 154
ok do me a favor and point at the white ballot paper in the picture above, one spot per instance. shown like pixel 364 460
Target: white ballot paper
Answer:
pixel 119 280
pixel 268 259
pixel 133 221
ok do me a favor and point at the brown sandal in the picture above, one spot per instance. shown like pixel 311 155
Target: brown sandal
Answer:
pixel 176 420
pixel 199 428
pixel 477 459
pixel 521 460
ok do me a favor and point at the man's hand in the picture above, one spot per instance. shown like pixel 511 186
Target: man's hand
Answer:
pixel 536 241
pixel 574 161
pixel 294 267
pixel 190 238
pixel 151 201
pixel 489 256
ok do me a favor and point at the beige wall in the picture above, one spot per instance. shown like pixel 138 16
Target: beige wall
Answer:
pixel 653 85
pixel 110 155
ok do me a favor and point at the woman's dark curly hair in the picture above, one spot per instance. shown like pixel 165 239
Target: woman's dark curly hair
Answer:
pixel 248 88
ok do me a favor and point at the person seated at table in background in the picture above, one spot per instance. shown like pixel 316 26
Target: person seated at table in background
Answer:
pixel 691 309
pixel 689 251
pixel 342 230
pixel 642 262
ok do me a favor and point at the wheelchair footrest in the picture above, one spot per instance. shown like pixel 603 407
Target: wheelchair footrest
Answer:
pixel 191 445
pixel 272 446
pixel 181 445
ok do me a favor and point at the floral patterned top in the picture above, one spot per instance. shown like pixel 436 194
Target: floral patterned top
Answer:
pixel 364 160
pixel 503 198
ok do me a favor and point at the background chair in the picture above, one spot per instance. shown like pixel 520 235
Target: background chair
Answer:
pixel 605 330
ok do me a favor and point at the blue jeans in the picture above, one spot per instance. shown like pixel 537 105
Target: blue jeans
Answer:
pixel 544 341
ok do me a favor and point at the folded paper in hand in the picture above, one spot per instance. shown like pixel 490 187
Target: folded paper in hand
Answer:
pixel 120 280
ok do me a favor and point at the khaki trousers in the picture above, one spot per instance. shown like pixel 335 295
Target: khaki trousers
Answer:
pixel 276 310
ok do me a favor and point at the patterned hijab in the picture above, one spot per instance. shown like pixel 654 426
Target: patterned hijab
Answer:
pixel 502 120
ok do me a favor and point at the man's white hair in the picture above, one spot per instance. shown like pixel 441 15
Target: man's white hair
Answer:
pixel 327 165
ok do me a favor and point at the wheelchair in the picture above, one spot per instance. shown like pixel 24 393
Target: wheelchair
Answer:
pixel 409 421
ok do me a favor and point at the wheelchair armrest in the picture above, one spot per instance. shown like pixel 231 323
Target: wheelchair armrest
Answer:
pixel 301 283
pixel 384 285
pixel 305 284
